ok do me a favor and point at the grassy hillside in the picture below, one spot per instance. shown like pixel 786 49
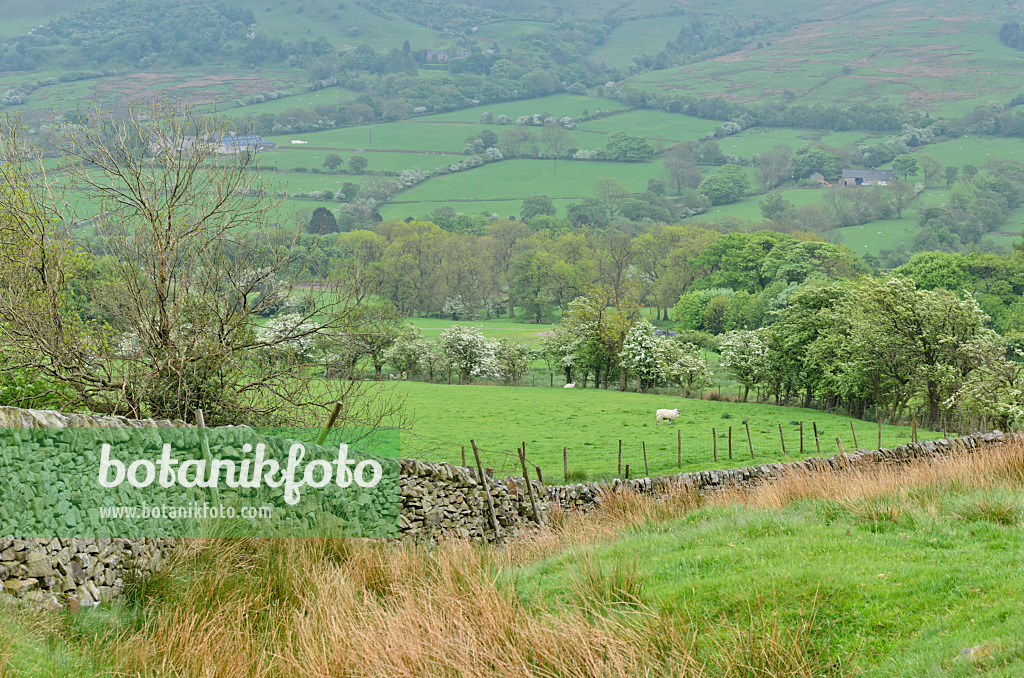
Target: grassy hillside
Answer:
pixel 943 57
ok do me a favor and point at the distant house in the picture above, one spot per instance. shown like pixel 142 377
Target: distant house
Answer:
pixel 241 144
pixel 228 145
pixel 867 177
pixel 439 56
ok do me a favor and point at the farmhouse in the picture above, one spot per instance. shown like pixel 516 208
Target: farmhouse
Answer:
pixel 867 177
pixel 238 144
pixel 442 56
pixel 226 145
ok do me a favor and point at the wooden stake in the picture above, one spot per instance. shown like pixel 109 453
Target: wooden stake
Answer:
pixel 330 422
pixel 627 471
pixel 714 442
pixel 783 439
pixel 817 443
pixel 913 427
pixel 749 443
pixel 646 470
pixel 839 444
pixel 463 455
pixel 620 459
pixel 565 461
pixel 205 443
pixel 854 432
pixel 730 443
pixel 487 493
pixel 679 448
pixel 539 476
pixel 529 487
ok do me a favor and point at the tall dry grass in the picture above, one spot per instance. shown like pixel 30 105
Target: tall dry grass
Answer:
pixel 245 608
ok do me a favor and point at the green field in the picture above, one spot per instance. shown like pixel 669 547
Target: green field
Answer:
pixel 631 38
pixel 590 422
pixel 655 125
pixel 557 105
pixel 512 180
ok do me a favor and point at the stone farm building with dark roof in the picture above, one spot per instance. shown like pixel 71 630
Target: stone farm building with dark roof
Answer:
pixel 225 145
pixel 238 144
pixel 872 177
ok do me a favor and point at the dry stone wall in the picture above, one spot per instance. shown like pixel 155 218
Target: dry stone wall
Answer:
pixel 586 496
pixel 438 501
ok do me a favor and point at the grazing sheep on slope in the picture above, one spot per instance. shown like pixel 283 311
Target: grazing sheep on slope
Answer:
pixel 572 385
pixel 666 415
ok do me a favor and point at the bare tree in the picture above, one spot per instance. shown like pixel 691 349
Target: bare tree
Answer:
pixel 556 140
pixel 186 236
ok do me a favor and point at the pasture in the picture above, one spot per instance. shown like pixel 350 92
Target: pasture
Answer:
pixel 556 105
pixel 638 36
pixel 590 422
pixel 513 180
pixel 654 125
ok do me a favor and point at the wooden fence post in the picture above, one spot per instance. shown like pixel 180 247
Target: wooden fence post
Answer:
pixel 879 431
pixel 646 471
pixel 487 493
pixel 205 444
pixel 817 444
pixel 749 443
pixel 529 487
pixel 783 439
pixel 540 476
pixel 627 472
pixel 714 442
pixel 463 455
pixel 839 444
pixel 330 422
pixel 854 432
pixel 730 443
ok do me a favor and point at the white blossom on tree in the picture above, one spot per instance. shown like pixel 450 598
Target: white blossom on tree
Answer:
pixel 469 354
pixel 408 352
pixel 640 355
pixel 683 365
pixel 744 355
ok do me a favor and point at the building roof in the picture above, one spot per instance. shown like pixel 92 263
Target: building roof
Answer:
pixel 869 175
pixel 245 140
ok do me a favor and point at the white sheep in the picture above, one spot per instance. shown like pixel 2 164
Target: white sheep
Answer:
pixel 666 415
pixel 572 385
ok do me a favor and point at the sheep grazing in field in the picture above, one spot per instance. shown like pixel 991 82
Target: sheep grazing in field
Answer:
pixel 572 385
pixel 666 415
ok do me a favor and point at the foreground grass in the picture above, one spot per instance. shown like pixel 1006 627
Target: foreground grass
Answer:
pixel 590 422
pixel 880 572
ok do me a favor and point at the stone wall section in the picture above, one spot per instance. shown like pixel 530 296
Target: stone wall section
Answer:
pixel 585 496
